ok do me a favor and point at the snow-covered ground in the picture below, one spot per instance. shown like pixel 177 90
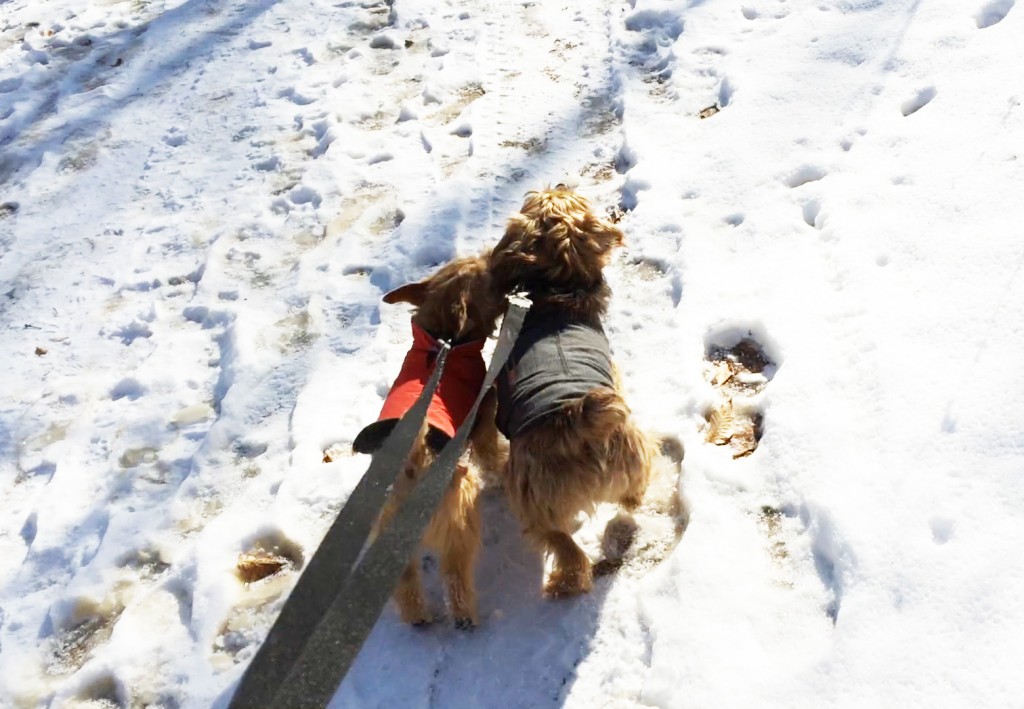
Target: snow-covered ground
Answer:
pixel 201 203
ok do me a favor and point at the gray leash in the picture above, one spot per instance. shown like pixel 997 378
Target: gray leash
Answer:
pixel 339 597
pixel 334 558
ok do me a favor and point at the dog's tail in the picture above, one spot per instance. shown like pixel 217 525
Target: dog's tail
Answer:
pixel 602 411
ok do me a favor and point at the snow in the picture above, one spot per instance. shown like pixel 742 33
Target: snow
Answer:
pixel 203 201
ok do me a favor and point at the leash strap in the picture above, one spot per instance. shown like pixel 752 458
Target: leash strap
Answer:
pixel 334 558
pixel 330 620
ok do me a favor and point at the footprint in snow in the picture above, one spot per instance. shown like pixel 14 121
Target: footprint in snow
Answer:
pixel 305 56
pixel 80 626
pixel 271 164
pixel 993 13
pixel 600 113
pixel 83 626
pixel 651 280
pixel 175 139
pixel 942 529
pixel 132 331
pixel 739 369
pixel 266 567
pixel 919 101
pixel 812 214
pixel 385 40
pixel 803 175
pixel 453 108
pixel 374 18
pixel 302 194
pixel 750 12
pixel 848 142
pixel 295 97
pixel 100 691
pixel 806 553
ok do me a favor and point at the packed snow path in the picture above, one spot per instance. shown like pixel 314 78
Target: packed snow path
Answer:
pixel 201 203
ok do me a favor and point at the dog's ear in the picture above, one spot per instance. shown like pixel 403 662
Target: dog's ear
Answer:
pixel 518 229
pixel 464 292
pixel 413 293
pixel 514 251
pixel 607 232
pixel 460 311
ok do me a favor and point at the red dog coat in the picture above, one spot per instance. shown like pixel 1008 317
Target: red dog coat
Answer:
pixel 460 383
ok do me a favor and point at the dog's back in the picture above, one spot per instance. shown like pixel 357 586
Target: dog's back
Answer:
pixel 556 362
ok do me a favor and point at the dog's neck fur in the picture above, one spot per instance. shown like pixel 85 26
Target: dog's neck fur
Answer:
pixel 585 302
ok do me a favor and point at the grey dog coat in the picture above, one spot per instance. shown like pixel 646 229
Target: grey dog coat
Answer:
pixel 556 360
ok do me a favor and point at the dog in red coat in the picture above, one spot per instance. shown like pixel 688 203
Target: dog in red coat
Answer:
pixel 457 304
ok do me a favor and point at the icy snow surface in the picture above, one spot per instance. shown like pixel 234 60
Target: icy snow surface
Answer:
pixel 201 203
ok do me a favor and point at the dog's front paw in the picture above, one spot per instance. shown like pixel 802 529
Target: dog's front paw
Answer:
pixel 465 624
pixel 416 615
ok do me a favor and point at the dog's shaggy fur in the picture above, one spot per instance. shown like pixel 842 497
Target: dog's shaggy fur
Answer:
pixel 589 450
pixel 457 303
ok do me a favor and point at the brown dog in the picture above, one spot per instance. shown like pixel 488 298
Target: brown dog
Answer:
pixel 457 304
pixel 572 440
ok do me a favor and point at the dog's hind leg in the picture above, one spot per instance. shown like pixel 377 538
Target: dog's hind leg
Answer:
pixel 661 515
pixel 632 459
pixel 570 573
pixel 633 455
pixel 651 465
pixel 455 534
pixel 412 608
pixel 457 568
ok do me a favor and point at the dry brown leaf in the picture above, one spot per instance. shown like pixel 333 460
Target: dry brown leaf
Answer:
pixel 721 424
pixel 255 566
pixel 721 372
pixel 744 443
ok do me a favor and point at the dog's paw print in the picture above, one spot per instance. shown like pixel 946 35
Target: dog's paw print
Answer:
pixel 993 13
pixel 803 175
pixel 738 371
pixel 82 626
pixel 102 691
pixel 770 519
pixel 918 101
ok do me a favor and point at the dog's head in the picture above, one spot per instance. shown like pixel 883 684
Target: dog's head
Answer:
pixel 556 239
pixel 457 302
